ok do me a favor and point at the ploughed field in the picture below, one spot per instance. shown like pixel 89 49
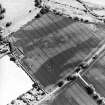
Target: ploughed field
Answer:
pixel 72 95
pixel 96 76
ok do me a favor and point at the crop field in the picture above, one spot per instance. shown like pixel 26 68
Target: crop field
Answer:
pixel 50 47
